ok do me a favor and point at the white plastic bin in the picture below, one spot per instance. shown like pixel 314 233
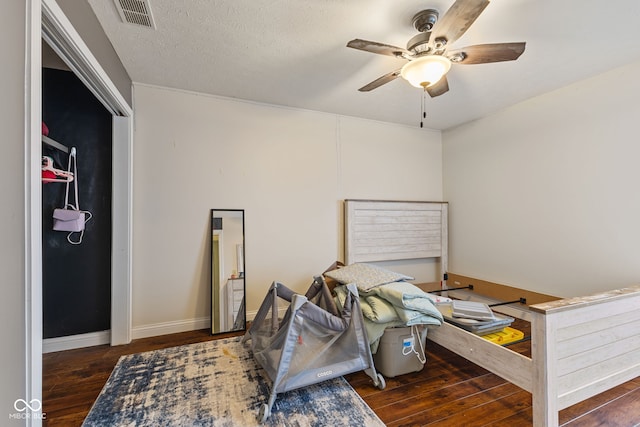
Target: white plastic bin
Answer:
pixel 400 351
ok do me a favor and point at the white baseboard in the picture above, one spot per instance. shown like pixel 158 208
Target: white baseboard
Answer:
pixel 166 328
pixel 50 345
pixel 252 314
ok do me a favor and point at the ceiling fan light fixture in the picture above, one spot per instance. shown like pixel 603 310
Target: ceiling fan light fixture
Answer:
pixel 426 71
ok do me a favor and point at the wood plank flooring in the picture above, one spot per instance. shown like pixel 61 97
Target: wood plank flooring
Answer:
pixel 449 391
pixel 73 379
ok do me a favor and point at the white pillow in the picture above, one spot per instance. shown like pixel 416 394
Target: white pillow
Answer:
pixel 366 276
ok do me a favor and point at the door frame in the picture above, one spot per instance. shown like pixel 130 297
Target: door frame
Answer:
pixel 45 20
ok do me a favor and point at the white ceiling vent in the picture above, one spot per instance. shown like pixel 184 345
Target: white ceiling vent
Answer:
pixel 136 12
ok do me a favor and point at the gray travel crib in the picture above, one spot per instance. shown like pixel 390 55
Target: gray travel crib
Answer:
pixel 313 341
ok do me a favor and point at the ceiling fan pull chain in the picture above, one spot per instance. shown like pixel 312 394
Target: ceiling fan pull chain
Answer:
pixel 423 112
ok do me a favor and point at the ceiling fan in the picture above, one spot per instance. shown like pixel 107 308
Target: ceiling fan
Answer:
pixel 428 55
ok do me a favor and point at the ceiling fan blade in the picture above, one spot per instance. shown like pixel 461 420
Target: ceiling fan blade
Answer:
pixel 379 48
pixel 485 53
pixel 456 21
pixel 442 86
pixel 380 81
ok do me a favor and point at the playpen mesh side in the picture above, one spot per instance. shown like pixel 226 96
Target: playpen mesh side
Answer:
pixel 307 352
pixel 309 344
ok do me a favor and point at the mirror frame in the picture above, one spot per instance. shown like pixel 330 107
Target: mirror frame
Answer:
pixel 226 285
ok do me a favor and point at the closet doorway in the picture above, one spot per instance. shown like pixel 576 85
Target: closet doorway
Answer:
pixel 76 268
pixel 60 35
pixel 45 20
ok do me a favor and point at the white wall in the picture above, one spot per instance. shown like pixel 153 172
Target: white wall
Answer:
pixel 289 169
pixel 544 195
pixel 12 215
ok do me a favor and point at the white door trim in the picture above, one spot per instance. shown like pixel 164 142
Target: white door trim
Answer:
pixel 33 209
pixel 121 240
pixel 67 43
pixel 46 20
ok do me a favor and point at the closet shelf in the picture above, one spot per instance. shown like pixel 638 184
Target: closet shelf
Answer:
pixel 55 144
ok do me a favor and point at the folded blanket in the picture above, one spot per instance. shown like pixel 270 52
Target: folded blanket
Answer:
pixel 393 305
pixel 374 309
pixel 413 305
pixel 378 310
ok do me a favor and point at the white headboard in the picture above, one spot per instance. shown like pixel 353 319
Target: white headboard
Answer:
pixel 387 230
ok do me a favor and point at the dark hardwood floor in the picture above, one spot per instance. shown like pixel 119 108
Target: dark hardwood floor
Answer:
pixel 72 379
pixel 449 391
pixel 453 392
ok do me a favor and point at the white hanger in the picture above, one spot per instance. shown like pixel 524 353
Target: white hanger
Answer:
pixel 61 175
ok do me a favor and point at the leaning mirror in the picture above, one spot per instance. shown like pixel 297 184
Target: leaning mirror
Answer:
pixel 227 271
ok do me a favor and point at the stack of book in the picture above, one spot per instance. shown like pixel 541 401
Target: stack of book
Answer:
pixel 474 317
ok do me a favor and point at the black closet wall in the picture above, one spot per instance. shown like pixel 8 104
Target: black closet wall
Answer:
pixel 77 278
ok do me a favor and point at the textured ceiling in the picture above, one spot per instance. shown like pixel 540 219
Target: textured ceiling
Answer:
pixel 293 52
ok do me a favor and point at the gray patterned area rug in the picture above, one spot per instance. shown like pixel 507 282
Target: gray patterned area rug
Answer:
pixel 216 383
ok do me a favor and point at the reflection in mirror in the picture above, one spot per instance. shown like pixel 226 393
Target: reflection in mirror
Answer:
pixel 227 271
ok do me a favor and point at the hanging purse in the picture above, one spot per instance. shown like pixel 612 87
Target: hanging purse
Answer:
pixel 68 220
pixel 70 217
